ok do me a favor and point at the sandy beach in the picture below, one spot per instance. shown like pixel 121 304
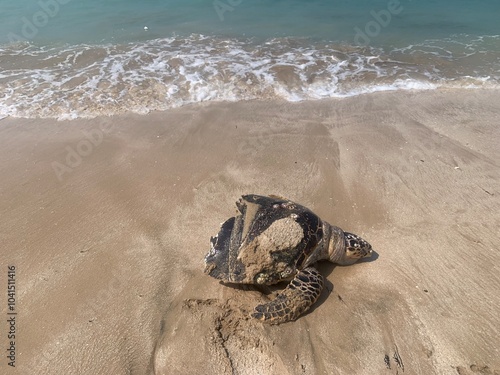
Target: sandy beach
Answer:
pixel 105 224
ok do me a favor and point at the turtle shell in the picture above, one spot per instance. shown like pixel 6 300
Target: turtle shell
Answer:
pixel 268 242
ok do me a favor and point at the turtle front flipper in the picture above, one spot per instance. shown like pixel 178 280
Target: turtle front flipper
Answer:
pixel 295 300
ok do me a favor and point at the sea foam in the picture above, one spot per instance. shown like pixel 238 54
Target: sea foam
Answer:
pixel 89 80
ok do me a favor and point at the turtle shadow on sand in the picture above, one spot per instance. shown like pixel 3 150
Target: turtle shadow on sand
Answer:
pixel 372 258
pixel 326 268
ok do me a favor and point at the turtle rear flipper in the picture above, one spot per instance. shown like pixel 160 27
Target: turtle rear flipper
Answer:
pixel 296 299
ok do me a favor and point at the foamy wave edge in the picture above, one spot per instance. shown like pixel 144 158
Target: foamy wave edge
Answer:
pixel 89 81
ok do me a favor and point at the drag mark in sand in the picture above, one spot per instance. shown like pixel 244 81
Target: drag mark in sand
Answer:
pixel 236 343
pixel 222 340
pixel 221 333
pixel 340 298
pixel 487 192
pixel 387 361
pixel 397 358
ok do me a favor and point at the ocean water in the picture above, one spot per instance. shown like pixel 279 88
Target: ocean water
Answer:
pixel 83 58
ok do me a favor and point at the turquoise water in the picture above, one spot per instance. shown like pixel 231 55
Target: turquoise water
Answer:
pixel 69 58
pixel 102 21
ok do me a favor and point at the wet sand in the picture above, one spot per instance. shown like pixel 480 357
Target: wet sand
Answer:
pixel 107 222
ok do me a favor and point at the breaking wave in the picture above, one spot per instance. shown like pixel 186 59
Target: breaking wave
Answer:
pixel 88 80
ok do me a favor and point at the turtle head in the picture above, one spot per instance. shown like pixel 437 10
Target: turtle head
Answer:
pixel 355 249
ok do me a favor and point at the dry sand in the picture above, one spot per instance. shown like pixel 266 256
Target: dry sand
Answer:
pixel 109 250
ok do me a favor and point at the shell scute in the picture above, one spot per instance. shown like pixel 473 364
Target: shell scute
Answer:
pixel 268 242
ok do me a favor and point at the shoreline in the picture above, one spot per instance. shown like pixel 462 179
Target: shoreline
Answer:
pixel 409 86
pixel 107 222
pixel 161 74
